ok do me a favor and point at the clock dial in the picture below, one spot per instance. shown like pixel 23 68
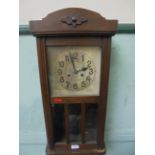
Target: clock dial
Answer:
pixel 74 70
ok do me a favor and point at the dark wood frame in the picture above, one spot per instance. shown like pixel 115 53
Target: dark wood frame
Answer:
pixel 74 26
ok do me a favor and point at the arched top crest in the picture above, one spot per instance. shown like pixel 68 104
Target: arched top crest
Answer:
pixel 73 21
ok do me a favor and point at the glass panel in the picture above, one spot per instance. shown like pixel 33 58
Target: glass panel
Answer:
pixel 91 122
pixel 58 117
pixel 74 123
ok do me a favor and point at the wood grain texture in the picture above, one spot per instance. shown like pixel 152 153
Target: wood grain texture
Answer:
pixel 74 41
pixel 85 149
pixel 77 100
pixel 122 28
pixel 45 90
pixel 104 91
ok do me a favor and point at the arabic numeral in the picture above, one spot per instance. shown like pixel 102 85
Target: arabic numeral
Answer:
pixel 61 63
pixel 90 71
pixel 59 71
pixel 67 58
pixel 82 57
pixel 75 86
pixel 88 78
pixel 83 84
pixel 62 79
pixel 67 84
pixel 89 63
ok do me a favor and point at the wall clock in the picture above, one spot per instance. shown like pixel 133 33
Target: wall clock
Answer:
pixel 74 47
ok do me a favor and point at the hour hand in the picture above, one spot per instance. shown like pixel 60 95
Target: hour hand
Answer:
pixel 83 69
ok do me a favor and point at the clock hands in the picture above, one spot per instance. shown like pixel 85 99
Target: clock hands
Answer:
pixel 72 61
pixel 83 69
pixel 73 64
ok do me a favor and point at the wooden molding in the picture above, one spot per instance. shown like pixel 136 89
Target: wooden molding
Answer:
pixel 122 28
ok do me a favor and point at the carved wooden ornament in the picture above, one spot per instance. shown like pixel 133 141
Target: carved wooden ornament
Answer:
pixel 74 20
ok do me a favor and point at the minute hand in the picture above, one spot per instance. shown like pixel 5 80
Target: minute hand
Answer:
pixel 72 61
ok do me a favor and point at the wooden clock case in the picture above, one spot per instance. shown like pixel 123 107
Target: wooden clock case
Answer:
pixel 74 27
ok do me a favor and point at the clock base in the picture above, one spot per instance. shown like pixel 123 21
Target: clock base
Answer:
pixel 83 151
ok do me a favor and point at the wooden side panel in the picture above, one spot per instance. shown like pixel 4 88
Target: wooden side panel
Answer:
pixel 104 91
pixel 45 91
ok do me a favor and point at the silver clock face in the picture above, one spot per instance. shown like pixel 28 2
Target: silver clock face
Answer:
pixel 74 70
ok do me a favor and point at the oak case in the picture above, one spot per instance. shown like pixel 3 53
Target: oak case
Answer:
pixel 74 27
